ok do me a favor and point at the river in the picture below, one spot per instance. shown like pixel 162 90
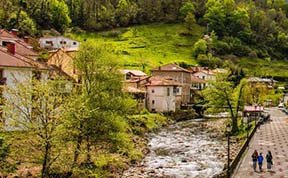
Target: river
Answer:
pixel 187 149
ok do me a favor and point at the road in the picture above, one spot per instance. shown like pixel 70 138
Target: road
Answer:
pixel 271 136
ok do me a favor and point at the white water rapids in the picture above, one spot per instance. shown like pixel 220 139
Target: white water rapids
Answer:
pixel 183 150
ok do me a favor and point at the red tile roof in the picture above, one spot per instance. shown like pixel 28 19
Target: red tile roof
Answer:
pixel 158 81
pixel 10 60
pixel 22 47
pixel 197 80
pixel 171 68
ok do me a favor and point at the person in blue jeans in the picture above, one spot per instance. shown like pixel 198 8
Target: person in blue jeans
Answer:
pixel 260 161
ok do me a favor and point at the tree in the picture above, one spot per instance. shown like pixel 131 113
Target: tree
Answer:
pixel 37 108
pixel 222 95
pixel 99 118
pixel 200 47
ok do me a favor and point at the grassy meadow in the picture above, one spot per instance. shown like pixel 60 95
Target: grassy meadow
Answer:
pixel 146 46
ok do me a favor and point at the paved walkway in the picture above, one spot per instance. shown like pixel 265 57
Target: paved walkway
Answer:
pixel 271 136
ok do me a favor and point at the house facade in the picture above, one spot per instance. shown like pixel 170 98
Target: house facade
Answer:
pixel 58 42
pixel 15 69
pixel 163 95
pixel 205 75
pixel 178 74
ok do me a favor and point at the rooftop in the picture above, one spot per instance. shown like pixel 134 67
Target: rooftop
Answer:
pixel 159 81
pixel 171 68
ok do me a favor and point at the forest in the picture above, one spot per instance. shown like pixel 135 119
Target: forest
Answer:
pixel 238 27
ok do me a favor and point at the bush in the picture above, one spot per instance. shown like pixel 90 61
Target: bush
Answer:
pixel 209 61
pixel 200 47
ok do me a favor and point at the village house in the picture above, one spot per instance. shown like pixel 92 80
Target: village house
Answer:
pixel 56 42
pixel 15 69
pixel 163 94
pixel 134 83
pixel 179 75
pixel 203 73
pixel 22 47
pixel 62 60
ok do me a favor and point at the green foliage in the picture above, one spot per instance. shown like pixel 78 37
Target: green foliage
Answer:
pixel 149 45
pixel 144 122
pixel 209 61
pixel 223 95
pixel 23 23
pixel 5 166
pixel 200 47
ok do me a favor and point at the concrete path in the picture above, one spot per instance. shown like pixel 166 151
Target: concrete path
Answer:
pixel 271 136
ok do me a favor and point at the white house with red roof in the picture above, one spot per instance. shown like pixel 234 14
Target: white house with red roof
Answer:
pixel 163 94
pixel 205 74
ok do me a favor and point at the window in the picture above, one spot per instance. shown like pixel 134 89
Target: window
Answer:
pixel 153 102
pixel 128 76
pixel 153 91
pixel 36 75
pixel 49 43
pixel 74 43
pixel 168 91
pixel 63 42
pixel 4 43
pixel 203 77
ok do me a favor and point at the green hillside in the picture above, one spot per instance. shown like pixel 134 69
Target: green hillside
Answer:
pixel 156 44
pixel 151 45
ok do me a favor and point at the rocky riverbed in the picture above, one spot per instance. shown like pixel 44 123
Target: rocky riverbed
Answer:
pixel 190 149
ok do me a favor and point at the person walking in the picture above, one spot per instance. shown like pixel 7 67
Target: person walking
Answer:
pixel 254 159
pixel 260 161
pixel 269 158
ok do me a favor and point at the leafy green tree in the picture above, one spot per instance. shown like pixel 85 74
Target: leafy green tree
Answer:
pixel 23 23
pixel 186 9
pixel 99 119
pixel 37 107
pixel 200 47
pixel 190 21
pixel 222 95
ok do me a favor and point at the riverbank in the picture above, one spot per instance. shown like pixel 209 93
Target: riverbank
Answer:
pixel 194 148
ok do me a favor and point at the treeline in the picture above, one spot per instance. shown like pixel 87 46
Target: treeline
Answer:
pixel 240 27
pixel 29 15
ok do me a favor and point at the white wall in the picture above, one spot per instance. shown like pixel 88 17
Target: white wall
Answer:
pixel 56 43
pixel 15 76
pixel 204 76
pixel 162 102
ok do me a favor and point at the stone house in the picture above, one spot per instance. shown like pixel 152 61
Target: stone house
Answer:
pixel 163 94
pixel 178 74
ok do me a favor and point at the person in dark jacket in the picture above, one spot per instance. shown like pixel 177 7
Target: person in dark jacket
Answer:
pixel 260 161
pixel 269 158
pixel 254 159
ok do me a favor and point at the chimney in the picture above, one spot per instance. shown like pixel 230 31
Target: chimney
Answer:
pixel 14 32
pixel 11 47
pixel 26 39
